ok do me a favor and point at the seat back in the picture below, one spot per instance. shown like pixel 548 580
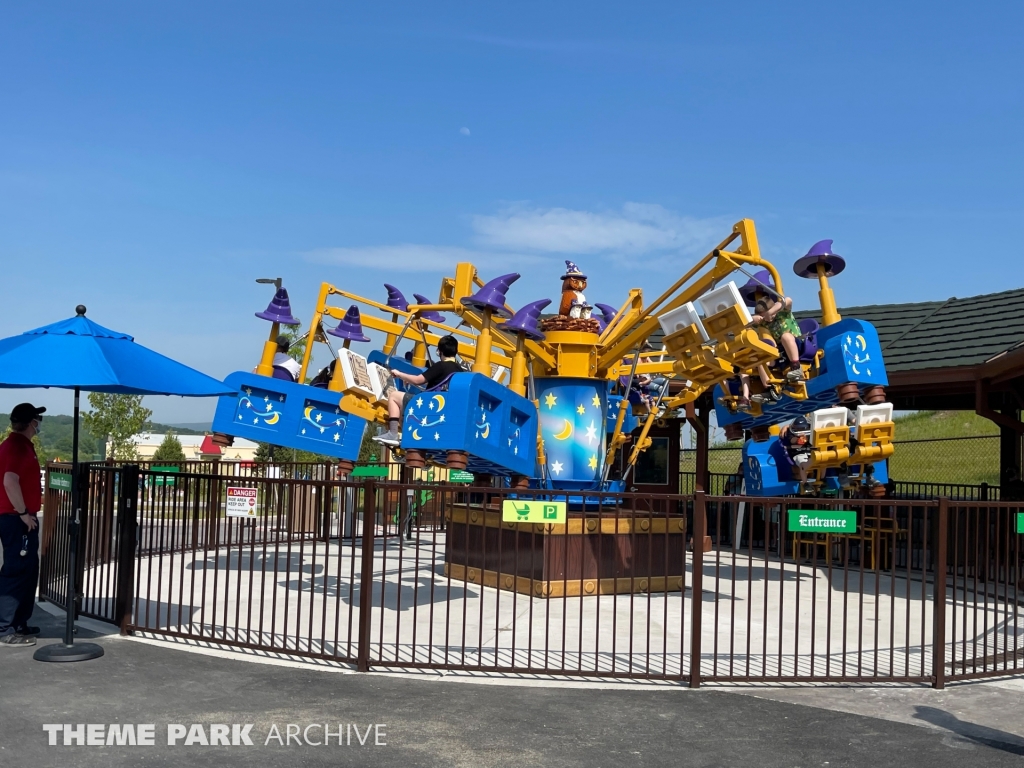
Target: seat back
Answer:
pixel 808 341
pixel 282 373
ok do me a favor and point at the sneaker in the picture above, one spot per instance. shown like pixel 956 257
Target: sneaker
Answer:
pixel 17 640
pixel 389 438
pixel 795 374
pixel 26 630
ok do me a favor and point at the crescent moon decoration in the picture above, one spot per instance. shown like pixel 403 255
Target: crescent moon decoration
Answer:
pixel 309 410
pixel 486 430
pixel 566 432
pixel 440 402
pixel 267 416
pixel 862 342
pixel 416 434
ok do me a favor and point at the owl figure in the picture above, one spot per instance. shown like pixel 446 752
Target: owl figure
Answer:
pixel 574 303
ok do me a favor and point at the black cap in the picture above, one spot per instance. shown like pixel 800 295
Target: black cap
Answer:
pixel 283 343
pixel 23 413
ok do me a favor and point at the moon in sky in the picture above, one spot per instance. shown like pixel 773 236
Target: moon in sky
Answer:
pixel 416 434
pixel 862 342
pixel 486 430
pixel 566 432
pixel 274 419
pixel 309 410
pixel 440 402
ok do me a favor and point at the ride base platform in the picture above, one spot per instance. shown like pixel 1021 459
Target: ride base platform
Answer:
pixel 591 554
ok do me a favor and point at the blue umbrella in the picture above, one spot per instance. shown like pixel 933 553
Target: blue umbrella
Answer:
pixel 81 355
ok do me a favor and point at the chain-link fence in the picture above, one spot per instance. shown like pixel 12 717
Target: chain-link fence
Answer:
pixel 955 460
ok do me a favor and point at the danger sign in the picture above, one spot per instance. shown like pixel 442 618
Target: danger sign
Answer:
pixel 241 502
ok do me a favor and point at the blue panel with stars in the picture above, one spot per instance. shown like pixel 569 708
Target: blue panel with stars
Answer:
pixel 494 425
pixel 852 354
pixel 573 423
pixel 290 415
pixel 767 471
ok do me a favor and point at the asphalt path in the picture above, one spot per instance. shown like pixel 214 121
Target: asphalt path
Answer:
pixel 429 721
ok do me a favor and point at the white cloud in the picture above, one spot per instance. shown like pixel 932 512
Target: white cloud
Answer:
pixel 638 228
pixel 464 131
pixel 413 257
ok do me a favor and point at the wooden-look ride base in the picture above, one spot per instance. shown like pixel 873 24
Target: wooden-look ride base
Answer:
pixel 588 555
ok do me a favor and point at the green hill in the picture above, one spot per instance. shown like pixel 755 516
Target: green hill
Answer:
pixel 56 437
pixel 925 449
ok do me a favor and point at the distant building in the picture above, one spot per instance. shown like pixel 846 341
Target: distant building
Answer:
pixel 196 447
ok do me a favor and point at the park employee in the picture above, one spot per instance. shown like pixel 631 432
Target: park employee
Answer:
pixel 20 500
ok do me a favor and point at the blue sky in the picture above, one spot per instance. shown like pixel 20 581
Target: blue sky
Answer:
pixel 155 159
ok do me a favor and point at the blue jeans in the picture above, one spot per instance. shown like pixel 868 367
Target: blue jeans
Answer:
pixel 20 575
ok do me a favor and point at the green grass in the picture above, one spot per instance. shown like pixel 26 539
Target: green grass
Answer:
pixel 939 460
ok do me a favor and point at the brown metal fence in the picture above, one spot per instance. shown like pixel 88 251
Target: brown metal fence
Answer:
pixel 391 575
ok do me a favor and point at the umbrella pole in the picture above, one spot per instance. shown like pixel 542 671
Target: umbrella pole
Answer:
pixel 68 651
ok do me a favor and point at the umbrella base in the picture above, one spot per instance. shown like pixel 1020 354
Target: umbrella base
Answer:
pixel 74 652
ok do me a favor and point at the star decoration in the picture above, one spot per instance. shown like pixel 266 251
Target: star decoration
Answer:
pixel 580 409
pixel 441 420
pixel 430 405
pixel 270 407
pixel 239 416
pixel 592 462
pixel 337 411
pixel 248 391
pixel 591 433
pixel 437 436
pixel 550 400
pixel 337 437
pixel 322 430
pixel 515 451
pixel 319 416
pixel 596 401
pixel 255 421
pixel 303 430
pixel 281 398
pixel 266 398
pixel 419 402
pixel 556 467
pixel 410 411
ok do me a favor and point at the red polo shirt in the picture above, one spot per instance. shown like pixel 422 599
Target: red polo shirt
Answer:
pixel 18 455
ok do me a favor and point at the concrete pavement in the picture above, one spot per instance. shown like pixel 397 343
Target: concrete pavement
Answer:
pixel 433 721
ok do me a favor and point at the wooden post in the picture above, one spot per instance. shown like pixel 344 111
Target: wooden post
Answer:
pixel 699 420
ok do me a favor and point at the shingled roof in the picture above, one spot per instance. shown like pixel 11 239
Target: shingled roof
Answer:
pixel 945 334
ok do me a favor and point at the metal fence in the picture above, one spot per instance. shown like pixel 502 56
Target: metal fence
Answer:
pixel 358 572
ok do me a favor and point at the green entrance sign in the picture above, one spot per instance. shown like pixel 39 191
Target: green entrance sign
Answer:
pixel 460 476
pixel 369 472
pixel 832 521
pixel 1020 522
pixel 515 511
pixel 60 481
pixel 163 479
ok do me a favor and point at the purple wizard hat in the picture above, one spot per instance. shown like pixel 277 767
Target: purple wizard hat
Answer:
pixel 492 295
pixel 279 310
pixel 820 253
pixel 571 270
pixel 757 283
pixel 608 313
pixel 395 299
pixel 525 320
pixel 434 317
pixel 350 327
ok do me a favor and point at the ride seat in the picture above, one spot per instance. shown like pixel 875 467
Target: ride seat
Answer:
pixel 282 373
pixel 808 341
